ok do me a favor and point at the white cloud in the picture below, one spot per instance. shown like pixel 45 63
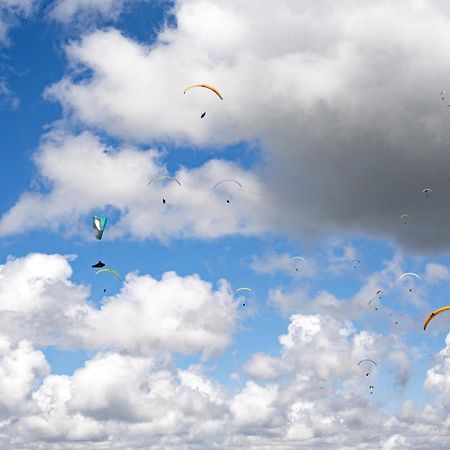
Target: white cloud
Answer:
pixel 11 11
pixel 66 11
pixel 380 296
pixel 122 401
pixel 175 314
pixel 272 263
pixel 436 273
pixel 80 176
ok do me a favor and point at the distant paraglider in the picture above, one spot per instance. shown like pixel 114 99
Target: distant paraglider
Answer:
pixel 203 115
pixel 409 275
pixel 405 218
pixel 427 192
pixel 166 178
pixel 298 261
pixel 367 365
pixel 227 181
pixel 241 291
pixel 356 263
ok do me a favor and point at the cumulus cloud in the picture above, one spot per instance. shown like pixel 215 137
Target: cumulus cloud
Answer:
pixel 129 401
pixel 80 175
pixel 380 295
pixel 316 90
pixel 148 316
pixel 122 401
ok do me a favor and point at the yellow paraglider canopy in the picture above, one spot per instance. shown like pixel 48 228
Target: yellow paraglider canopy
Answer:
pixel 207 86
pixel 433 314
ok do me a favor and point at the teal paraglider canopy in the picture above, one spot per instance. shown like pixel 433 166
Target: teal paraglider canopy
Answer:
pixel 99 225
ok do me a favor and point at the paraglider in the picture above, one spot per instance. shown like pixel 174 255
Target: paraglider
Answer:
pixel 227 181
pixel 367 365
pixel 99 224
pixel 98 265
pixel 433 314
pixel 396 319
pixel 405 218
pixel 164 178
pixel 297 261
pixel 244 289
pixel 409 275
pixel 375 302
pixel 203 115
pixel 356 263
pixel 427 191
pixel 207 86
pixel 443 94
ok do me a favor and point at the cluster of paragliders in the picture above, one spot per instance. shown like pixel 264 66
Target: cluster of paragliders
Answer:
pixel 99 222
pixel 245 293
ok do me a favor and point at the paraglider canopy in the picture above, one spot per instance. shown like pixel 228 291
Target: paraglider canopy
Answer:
pixel 433 314
pixel 98 265
pixel 99 224
pixel 112 271
pixel 164 177
pixel 404 217
pixel 206 86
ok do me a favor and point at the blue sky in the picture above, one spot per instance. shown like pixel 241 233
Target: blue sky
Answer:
pixel 332 123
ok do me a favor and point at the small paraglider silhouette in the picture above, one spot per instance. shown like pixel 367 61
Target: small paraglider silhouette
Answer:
pixel 98 265
pixel 427 192
pixel 368 365
pixel 164 201
pixel 203 115
pixel 226 181
pixel 104 290
pixel 404 218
